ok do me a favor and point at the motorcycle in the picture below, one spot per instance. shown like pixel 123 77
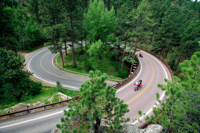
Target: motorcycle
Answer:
pixel 138 84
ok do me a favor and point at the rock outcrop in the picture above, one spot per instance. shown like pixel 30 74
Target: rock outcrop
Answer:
pixel 153 128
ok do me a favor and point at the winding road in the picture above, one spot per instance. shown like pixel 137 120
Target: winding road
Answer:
pixel 152 72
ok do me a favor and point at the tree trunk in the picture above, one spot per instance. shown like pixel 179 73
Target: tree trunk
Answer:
pixel 72 40
pixel 61 56
pixel 166 54
pixel 118 47
pixel 23 44
pixel 167 130
pixel 131 68
pixel 135 47
pixel 39 25
pixel 2 44
pixel 172 64
pixel 96 126
pixel 38 21
pixel 109 5
pixel 185 55
pixel 81 45
pixel 133 4
pixel 65 48
pixel 180 61
pixel 105 3
pixel 161 53
pixel 177 65
pixel 5 41
pixel 123 58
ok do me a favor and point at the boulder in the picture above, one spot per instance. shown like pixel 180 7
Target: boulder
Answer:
pixel 130 129
pixel 154 128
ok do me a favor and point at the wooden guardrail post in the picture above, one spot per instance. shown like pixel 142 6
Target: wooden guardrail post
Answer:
pixel 27 108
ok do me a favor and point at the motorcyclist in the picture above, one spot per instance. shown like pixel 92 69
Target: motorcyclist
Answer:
pixel 140 55
pixel 138 84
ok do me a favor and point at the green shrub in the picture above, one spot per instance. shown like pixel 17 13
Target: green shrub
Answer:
pixel 35 88
pixel 15 83
pixel 123 74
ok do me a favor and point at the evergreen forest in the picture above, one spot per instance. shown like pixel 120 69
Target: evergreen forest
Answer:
pixel 105 29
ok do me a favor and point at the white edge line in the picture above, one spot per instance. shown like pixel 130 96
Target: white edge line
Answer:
pixel 133 79
pixel 54 83
pixel 44 79
pixel 71 72
pixel 112 82
pixel 32 119
pixel 160 97
pixel 64 85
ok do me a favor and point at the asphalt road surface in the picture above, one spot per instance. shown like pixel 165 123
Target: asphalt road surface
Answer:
pixel 152 72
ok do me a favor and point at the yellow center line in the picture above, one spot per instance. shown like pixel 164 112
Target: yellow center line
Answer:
pixel 146 86
pixel 48 71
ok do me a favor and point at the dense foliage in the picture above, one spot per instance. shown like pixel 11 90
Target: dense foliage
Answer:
pixel 172 26
pixel 15 83
pixel 99 109
pixel 19 31
pixel 169 28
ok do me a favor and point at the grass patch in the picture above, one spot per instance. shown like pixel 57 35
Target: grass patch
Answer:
pixel 105 65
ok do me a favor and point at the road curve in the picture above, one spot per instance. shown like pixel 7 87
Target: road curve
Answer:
pixel 152 72
pixel 41 63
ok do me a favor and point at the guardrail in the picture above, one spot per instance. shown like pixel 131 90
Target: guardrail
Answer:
pixel 168 67
pixel 136 65
pixel 135 71
pixel 42 106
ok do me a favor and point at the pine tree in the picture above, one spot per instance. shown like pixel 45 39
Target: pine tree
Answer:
pixel 95 52
pixel 158 9
pixel 7 23
pixel 33 34
pixel 21 18
pixel 168 34
pixel 170 113
pixel 98 109
pixel 73 9
pixel 65 34
pixel 130 58
pixel 118 51
pixel 140 23
pixel 180 111
pixel 191 92
pixel 52 13
pixel 34 9
pixel 15 84
pixel 189 40
pixel 99 22
pixel 122 27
